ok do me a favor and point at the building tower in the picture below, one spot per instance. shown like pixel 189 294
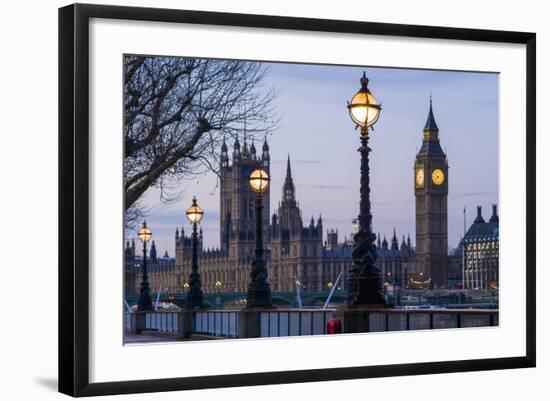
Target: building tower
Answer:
pixel 265 155
pixel 153 253
pixel 480 254
pixel 332 239
pixel 237 212
pixel 289 217
pixel 431 186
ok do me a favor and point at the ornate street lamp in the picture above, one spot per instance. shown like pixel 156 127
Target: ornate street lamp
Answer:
pixel 194 295
pixel 145 303
pixel 259 293
pixel 364 283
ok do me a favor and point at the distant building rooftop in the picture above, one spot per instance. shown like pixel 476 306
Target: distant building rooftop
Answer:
pixel 481 230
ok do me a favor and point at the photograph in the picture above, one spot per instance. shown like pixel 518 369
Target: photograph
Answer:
pixel 245 200
pixel 259 199
pixel 277 199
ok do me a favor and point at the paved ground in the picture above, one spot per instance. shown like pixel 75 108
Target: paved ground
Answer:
pixel 151 338
pixel 147 338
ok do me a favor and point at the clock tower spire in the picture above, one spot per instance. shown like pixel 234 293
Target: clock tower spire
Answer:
pixel 431 186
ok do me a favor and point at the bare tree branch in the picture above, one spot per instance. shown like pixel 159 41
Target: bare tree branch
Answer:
pixel 176 113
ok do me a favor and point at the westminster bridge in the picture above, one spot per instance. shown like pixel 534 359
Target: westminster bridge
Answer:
pixel 227 300
pixel 225 314
pixel 485 299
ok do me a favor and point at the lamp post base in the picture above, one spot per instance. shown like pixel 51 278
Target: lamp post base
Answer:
pixel 195 301
pixel 259 292
pixel 365 282
pixel 259 298
pixel 367 291
pixel 145 302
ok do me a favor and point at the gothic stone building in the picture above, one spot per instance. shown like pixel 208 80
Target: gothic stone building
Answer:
pixel 431 186
pixel 480 254
pixel 298 252
pixel 294 251
pixel 397 262
pixel 160 270
pixel 475 262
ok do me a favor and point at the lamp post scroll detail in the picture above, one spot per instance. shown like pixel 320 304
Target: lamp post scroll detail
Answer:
pixel 365 284
pixel 195 295
pixel 144 302
pixel 259 292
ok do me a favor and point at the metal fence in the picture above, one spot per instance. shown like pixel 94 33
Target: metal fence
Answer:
pixel 162 322
pixel 218 323
pixel 128 325
pixel 278 323
pixel 395 320
pixel 304 322
pixel 294 322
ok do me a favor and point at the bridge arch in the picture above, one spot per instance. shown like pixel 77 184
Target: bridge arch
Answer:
pixel 225 300
pixel 233 301
pixel 283 300
pixel 320 299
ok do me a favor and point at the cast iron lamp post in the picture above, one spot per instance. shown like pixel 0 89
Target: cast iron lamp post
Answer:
pixel 218 286
pixel 259 293
pixel 194 295
pixel 145 303
pixel 365 283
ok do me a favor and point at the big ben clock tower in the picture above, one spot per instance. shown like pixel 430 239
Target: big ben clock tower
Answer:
pixel 431 186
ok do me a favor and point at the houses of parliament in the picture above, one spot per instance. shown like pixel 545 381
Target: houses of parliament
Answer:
pixel 307 252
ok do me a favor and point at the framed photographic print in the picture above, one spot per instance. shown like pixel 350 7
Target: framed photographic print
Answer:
pixel 358 195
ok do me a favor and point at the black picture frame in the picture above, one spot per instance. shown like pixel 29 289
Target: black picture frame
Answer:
pixel 74 198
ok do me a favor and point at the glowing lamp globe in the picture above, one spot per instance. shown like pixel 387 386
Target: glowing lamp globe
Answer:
pixel 364 109
pixel 259 180
pixel 144 233
pixel 194 213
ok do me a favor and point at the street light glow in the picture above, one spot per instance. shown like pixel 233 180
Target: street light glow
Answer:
pixel 364 109
pixel 259 180
pixel 144 233
pixel 194 213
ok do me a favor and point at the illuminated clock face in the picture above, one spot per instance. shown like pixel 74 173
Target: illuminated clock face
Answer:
pixel 420 177
pixel 438 176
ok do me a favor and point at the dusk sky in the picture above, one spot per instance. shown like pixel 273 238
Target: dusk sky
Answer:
pixel 315 129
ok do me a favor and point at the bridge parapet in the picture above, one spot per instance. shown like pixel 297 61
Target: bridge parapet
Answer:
pixel 303 322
